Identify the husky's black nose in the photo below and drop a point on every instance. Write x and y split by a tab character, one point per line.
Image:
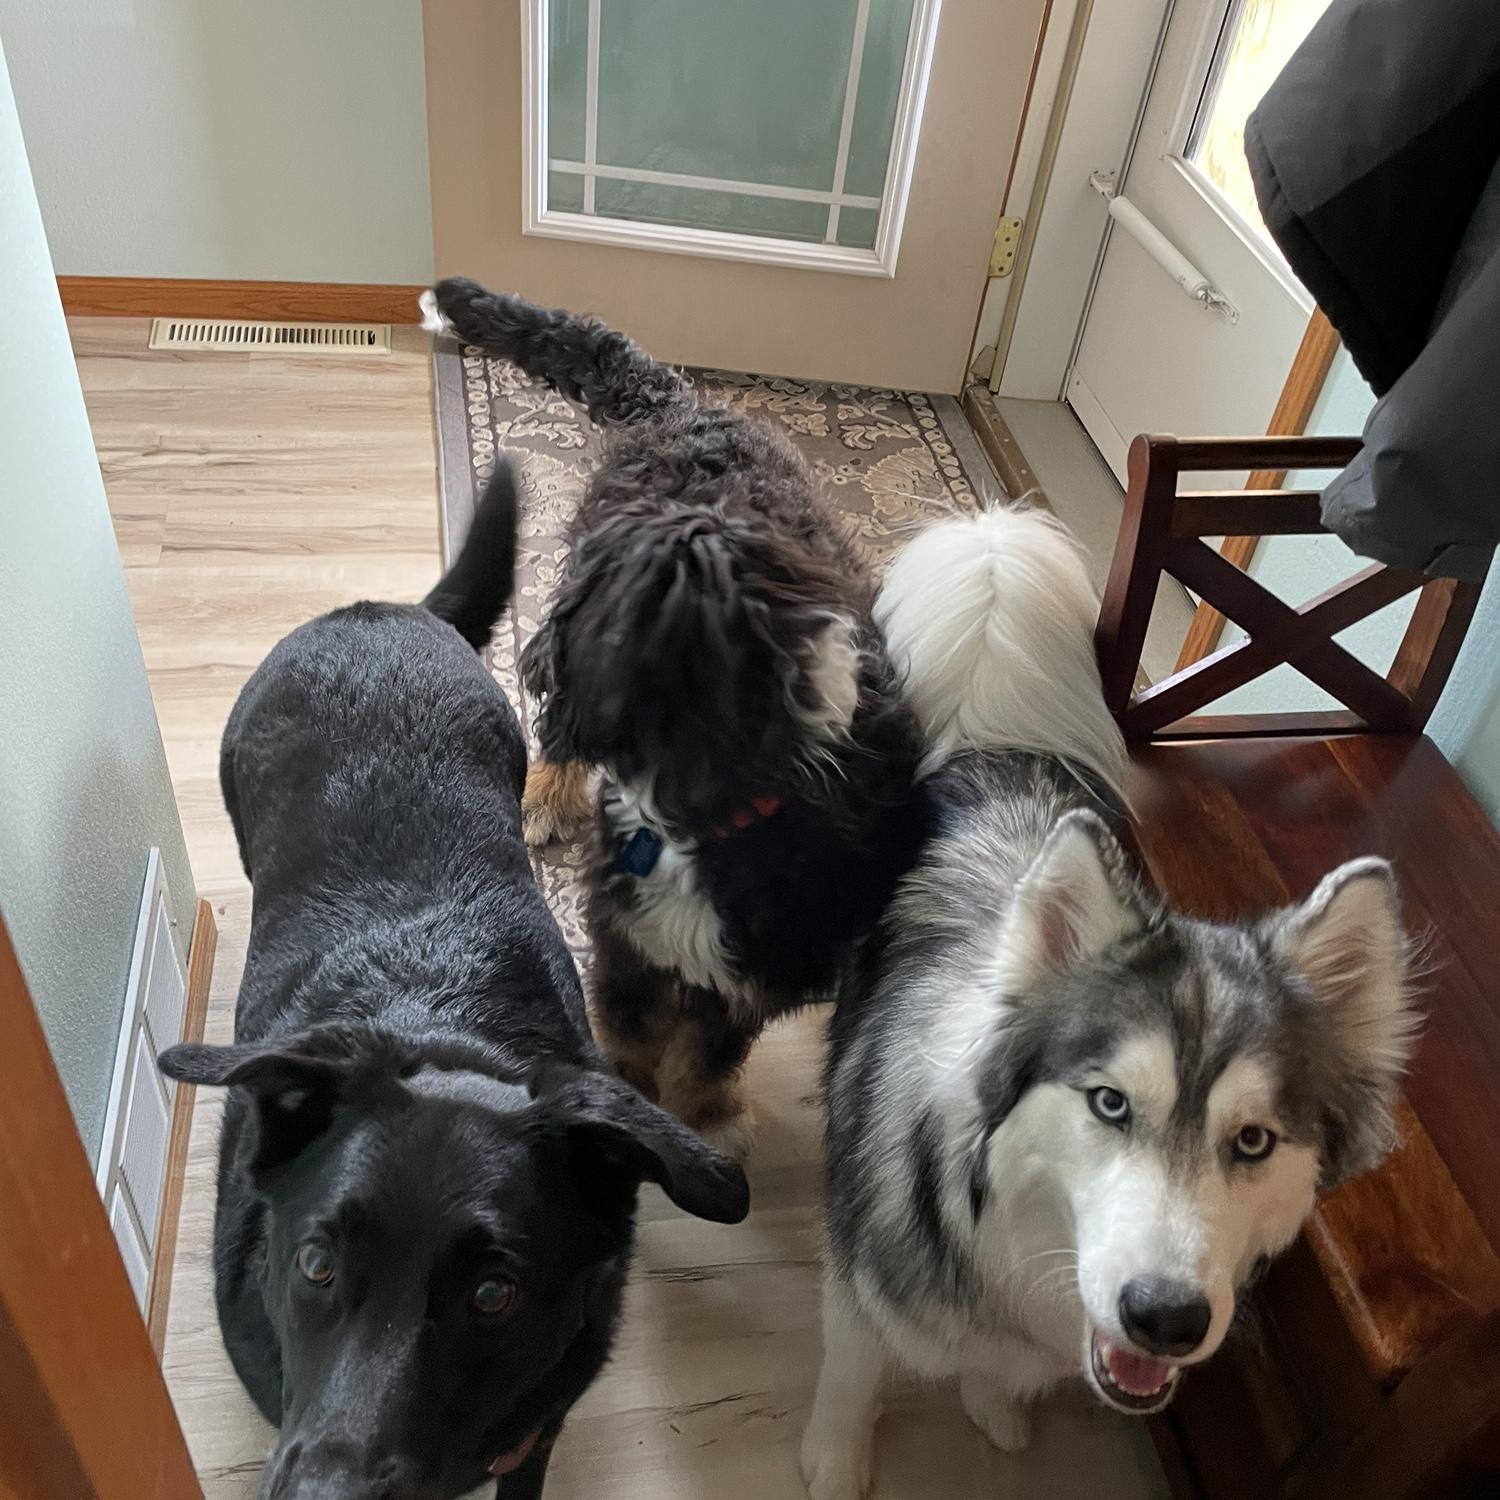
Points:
1164	1317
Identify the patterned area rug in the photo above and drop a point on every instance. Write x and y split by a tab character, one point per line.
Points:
891	461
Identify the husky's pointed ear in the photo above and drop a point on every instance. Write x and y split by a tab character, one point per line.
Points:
1076	900
1346	941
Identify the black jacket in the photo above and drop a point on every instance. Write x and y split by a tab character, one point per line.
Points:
1376	160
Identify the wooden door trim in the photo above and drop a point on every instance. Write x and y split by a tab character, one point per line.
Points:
84	1409
200	975
1294	408
309	301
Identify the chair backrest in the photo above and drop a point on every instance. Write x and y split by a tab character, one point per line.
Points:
1162	532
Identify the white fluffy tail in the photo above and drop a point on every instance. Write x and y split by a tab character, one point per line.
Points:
992	619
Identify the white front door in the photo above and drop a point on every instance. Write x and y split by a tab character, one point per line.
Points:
1153	357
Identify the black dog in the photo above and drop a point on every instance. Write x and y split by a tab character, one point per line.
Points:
427	1179
711	647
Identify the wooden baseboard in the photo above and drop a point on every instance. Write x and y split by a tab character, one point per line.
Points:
310	301
199	979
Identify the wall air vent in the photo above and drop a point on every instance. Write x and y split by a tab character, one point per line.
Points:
238	335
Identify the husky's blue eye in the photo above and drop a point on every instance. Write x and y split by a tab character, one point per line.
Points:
1110	1105
1254	1143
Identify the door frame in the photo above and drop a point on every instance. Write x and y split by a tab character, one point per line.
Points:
84	1408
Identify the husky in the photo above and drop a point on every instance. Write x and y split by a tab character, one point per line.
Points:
1067	1127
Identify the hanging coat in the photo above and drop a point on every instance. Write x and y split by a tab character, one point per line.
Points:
1376	161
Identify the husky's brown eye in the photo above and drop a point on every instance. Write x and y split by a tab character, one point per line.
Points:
492	1297
1110	1105
1254	1143
315	1262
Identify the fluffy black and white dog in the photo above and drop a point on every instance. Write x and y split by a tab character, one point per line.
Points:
1065	1125
427	1178
712	647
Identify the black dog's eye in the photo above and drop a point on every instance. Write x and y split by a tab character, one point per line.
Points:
1254	1143
492	1297
315	1262
1110	1105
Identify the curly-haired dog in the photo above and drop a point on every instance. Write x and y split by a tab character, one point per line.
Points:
712	648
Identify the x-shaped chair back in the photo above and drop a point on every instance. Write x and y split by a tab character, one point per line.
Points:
1162	532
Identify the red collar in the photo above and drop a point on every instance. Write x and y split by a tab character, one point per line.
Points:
742	818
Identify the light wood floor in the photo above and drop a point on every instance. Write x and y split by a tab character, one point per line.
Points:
251	492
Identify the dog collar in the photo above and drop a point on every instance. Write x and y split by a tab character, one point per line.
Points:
742	818
643	848
640	854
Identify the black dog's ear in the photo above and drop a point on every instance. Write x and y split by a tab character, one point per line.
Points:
297	1082
614	1126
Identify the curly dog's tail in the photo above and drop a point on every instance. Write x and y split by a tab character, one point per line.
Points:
603	370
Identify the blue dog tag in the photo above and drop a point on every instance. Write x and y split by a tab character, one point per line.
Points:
640	855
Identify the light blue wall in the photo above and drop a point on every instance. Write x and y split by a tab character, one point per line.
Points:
260	140
84	790
1466	725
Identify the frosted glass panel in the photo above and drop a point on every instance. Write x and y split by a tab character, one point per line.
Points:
721	88
567	78
879	90
565	191
857	227
660	203
757	119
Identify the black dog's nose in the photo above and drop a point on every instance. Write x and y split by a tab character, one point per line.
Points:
1164	1317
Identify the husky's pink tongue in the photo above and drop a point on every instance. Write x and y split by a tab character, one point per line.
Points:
513	1458
1135	1374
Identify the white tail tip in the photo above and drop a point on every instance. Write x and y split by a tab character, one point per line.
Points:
432	318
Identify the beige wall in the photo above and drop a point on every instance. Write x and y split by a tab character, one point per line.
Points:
912	330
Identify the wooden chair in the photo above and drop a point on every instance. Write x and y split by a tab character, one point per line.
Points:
1370	1368
1163	532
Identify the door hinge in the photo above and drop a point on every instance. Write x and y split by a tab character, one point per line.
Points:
1007	242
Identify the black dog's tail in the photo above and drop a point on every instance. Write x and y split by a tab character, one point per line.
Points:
473	593
603	370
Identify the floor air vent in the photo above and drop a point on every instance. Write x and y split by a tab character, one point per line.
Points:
240	334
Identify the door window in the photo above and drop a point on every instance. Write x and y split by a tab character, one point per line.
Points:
780	121
1256	42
